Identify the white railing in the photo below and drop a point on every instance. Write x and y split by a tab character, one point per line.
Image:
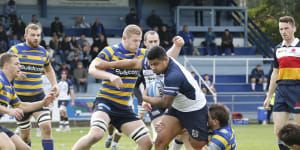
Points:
188	59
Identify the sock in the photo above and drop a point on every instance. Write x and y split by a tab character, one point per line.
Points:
47	144
66	122
253	86
153	132
109	137
29	144
264	86
176	145
61	122
114	143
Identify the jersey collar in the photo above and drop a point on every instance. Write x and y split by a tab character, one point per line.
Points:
294	43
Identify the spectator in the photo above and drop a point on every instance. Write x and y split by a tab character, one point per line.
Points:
94	51
289	134
3	40
86	58
80	23
19	28
64	68
154	20
74	62
14	41
54	44
132	18
81	41
64	47
73	43
188	41
57	27
80	77
165	37
227	42
55	64
97	29
101	42
196	77
257	76
209	42
209	84
34	20
50	51
11	11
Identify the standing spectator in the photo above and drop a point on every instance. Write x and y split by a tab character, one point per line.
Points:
165	37
19	28
258	76
188	41
227	42
97	29
101	42
57	27
80	77
3	40
34	20
132	18
209	84
209	42
154	20
14	41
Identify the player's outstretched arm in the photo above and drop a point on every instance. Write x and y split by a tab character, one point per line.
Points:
272	87
176	47
101	74
29	107
123	64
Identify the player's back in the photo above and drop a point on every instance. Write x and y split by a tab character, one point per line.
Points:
222	139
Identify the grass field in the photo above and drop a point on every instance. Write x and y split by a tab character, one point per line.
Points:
249	137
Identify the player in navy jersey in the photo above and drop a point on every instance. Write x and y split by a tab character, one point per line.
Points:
34	59
181	90
66	93
10	67
285	77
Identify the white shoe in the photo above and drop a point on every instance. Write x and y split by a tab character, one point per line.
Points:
67	130
114	147
59	130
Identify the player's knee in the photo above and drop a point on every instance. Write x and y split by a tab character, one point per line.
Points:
160	141
46	129
99	124
95	136
44	118
26	138
253	80
198	144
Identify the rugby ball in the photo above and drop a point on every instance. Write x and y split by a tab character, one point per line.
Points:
156	89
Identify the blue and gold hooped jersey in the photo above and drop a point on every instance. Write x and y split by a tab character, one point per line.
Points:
128	76
7	93
222	139
32	63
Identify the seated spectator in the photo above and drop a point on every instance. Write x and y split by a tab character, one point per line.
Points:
64	68
34	20
81	41
196	77
227	42
154	20
3	40
86	59
100	42
55	64
209	84
80	77
188	38
50	51
14	41
11	11
97	29
132	18
73	43
19	28
289	134
74	61
57	27
209	42
64	47
94	51
257	77
54	43
165	37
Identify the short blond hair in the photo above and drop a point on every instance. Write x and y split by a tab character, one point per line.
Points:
5	58
132	29
32	26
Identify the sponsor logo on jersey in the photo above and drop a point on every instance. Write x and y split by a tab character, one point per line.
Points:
126	72
31	68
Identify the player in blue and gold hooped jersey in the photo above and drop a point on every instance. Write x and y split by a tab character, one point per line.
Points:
10	67
34	59
111	104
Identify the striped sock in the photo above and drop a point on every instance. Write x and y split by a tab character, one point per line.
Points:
47	144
